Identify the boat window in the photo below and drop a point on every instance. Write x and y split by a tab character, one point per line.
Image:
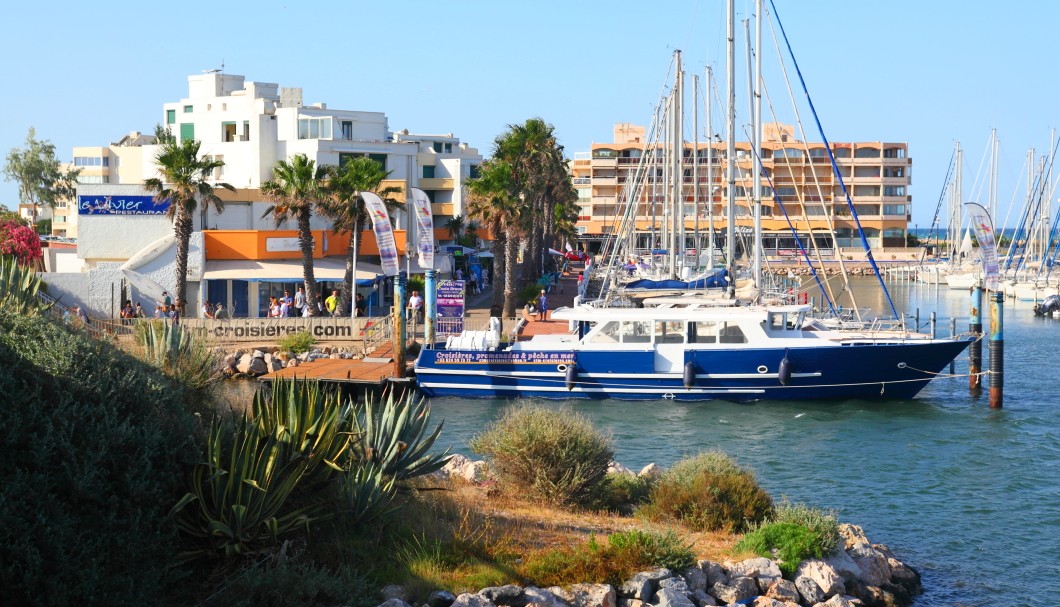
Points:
780	321
669	332
636	332
731	333
608	334
704	332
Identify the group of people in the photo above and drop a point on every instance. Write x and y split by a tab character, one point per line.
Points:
331	304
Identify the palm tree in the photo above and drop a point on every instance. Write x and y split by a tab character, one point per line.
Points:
455	225
490	202
346	208
185	182
297	187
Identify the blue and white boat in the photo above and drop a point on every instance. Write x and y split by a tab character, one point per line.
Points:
740	353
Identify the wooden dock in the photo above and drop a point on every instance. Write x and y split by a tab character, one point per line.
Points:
374	370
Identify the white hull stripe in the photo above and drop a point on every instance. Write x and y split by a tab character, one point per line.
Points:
642	376
613	390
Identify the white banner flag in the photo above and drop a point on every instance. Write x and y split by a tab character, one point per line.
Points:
384	232
979	218
424	228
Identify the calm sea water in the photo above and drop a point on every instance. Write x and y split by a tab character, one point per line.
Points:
968	495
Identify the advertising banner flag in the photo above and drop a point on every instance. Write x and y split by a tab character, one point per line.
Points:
384	232
979	218
424	228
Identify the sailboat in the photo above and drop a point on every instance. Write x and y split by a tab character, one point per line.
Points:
696	352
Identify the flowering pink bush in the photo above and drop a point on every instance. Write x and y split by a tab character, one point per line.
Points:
20	241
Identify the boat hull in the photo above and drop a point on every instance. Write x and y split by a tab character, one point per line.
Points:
867	370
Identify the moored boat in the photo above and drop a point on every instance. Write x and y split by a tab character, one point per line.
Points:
738	353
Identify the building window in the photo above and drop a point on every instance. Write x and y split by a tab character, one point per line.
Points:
437	147
894	171
347	130
314	128
473	171
894	209
428	172
894	153
246	130
187	131
228	131
379	158
867	153
894	190
93	179
171	116
867	190
91	161
448	148
188	109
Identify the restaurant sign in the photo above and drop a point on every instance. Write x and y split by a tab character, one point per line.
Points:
121	205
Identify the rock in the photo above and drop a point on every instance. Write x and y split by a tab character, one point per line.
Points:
714	572
294	362
675	583
273	363
827	579
783	590
258	354
509	594
703	599
765	601
695	578
472	600
541	598
586	595
651	472
836	601
617	468
852	534
628	602
906	577
844	566
873	564
394	603
736	590
440	598
672	597
394	591
762	570
810	591
643	584
462	467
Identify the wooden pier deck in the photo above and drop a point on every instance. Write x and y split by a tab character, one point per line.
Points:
374	370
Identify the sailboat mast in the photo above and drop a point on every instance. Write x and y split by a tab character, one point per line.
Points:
696	244
676	173
756	144
730	134
710	172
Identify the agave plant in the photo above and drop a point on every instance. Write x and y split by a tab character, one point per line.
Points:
20	288
170	347
368	494
309	422
393	435
238	505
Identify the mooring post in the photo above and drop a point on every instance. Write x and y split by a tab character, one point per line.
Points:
399	324
918	320
975	350
997	351
431	308
932	322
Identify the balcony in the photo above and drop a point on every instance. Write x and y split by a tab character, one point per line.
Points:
442	208
437	183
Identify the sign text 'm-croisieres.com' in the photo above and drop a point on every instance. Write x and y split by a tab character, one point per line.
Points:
121	205
271	329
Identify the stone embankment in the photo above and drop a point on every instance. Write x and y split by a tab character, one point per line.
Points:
259	361
861	574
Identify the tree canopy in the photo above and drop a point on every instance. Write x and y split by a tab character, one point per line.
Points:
40	176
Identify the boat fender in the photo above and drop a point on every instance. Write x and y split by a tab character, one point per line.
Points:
690	374
784	372
572	376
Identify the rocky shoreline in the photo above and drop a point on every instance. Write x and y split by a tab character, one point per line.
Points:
255	362
860	574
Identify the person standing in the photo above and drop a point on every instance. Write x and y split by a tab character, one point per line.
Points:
299	300
359	303
285	307
542	306
167	301
207	310
332	303
415	306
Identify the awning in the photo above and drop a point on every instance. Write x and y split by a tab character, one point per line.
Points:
287	270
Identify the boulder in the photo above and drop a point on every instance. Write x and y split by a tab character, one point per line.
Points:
695	578
701	598
643	584
540	597
617	468
765	601
509	594
440	598
628	602
293	362
394	603
714	572
809	590
836	601
586	595
651	472
471	600
827	579
258	354
844	566
672	597
873	564
462	467
736	590
394	591
783	590
762	570
852	534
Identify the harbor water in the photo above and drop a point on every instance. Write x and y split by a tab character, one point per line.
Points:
968	495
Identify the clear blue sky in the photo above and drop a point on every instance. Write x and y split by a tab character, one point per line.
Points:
929	73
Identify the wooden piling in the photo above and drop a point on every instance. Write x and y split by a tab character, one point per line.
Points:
997	351
975	350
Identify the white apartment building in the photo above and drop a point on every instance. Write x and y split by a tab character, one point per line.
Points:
250	126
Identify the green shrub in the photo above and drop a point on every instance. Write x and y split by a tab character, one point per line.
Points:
620	493
298	342
528	294
793	534
172	349
708	492
624	554
19	287
556	456
95	443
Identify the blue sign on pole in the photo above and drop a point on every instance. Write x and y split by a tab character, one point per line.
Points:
121	205
450	307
